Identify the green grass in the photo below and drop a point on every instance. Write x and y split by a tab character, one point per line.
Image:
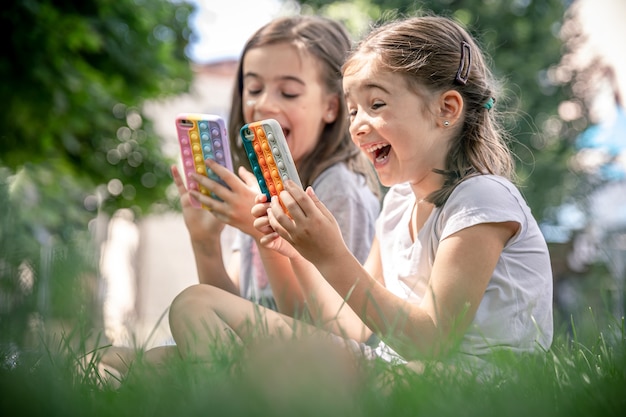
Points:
584	374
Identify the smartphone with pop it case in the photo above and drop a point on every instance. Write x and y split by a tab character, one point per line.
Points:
202	136
269	155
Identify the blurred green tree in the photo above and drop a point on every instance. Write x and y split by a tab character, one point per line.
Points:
73	137
522	38
75	77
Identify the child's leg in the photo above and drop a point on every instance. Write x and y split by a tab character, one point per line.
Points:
161	354
120	358
117	357
202	314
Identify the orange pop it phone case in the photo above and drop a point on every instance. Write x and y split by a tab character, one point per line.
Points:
269	155
202	136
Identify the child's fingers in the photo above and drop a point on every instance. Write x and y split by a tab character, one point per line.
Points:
311	193
205	200
178	180
248	178
295	200
232	180
268	239
213	186
219	170
260	198
259	210
262	224
298	201
279	220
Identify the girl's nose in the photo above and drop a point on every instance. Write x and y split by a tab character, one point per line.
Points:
264	106
359	125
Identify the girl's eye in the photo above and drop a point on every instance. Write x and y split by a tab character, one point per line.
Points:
289	95
352	113
254	91
377	105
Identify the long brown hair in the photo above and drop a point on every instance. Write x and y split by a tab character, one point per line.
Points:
437	54
329	43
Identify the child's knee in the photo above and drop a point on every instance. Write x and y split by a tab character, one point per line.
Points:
189	298
193	302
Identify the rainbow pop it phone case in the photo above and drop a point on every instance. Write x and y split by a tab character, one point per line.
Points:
269	155
202	136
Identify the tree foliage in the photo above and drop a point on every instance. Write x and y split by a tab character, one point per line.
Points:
73	137
75	76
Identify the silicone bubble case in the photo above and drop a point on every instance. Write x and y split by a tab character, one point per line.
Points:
202	136
269	155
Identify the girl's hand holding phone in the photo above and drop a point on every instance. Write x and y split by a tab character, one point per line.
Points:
269	238
234	196
201	223
309	227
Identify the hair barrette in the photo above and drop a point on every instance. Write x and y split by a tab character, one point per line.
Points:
464	69
490	103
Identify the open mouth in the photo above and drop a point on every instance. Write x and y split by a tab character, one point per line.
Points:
380	152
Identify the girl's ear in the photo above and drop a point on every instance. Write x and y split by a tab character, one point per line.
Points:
332	109
450	108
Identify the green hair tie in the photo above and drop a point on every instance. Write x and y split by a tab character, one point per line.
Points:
489	104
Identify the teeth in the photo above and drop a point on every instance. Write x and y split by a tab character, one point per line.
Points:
374	148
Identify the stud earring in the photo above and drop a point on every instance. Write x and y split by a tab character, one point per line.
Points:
446	123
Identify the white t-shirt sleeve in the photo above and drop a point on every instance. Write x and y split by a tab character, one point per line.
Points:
483	199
